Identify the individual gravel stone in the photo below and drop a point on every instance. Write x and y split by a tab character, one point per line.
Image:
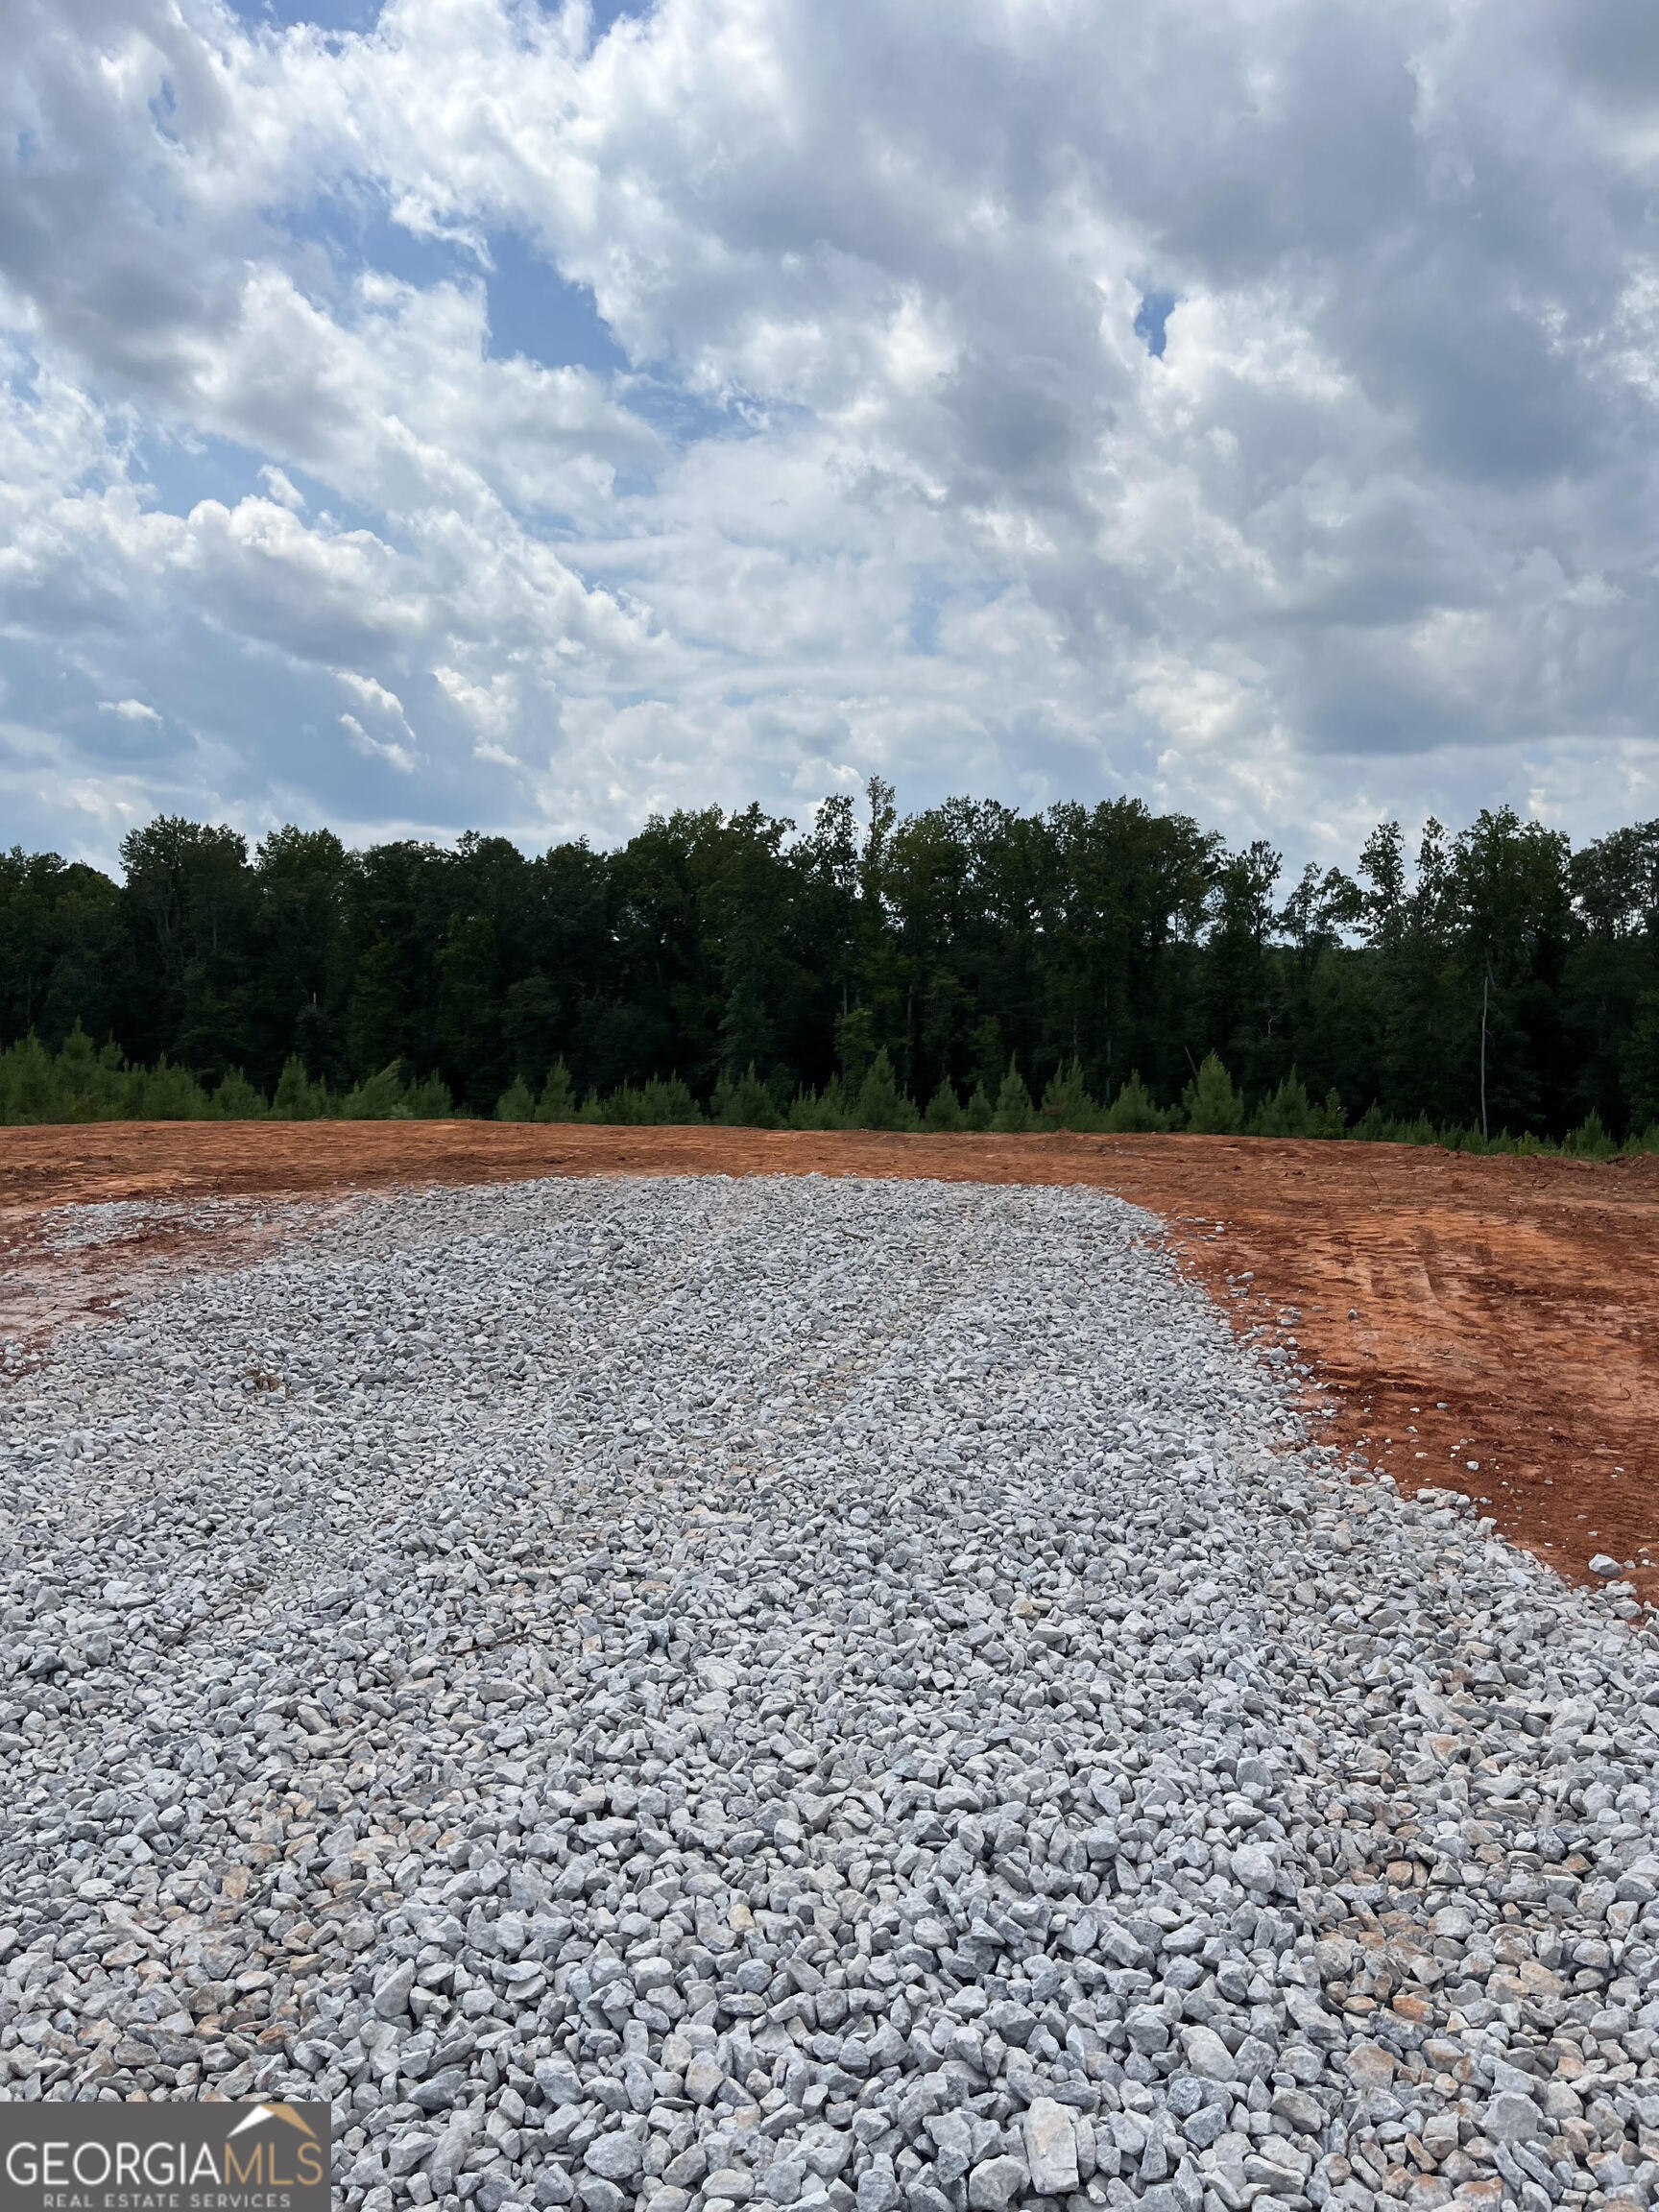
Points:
657	1695
1050	2148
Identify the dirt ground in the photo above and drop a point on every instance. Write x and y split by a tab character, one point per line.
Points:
1486	1324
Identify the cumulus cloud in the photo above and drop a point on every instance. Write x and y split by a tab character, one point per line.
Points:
1249	405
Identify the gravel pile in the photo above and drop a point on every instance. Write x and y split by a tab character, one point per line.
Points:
684	1694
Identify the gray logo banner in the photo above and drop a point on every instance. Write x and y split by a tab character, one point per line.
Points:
265	2157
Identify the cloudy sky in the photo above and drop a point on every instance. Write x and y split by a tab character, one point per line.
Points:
459	413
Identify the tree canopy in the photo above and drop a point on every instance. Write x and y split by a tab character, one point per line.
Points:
941	955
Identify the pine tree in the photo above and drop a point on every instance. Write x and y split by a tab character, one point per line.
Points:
1214	1107
558	1099
169	1094
1014	1114
835	1105
516	1103
428	1100
77	1078
945	1109
1132	1112
1329	1120
1067	1103
1590	1140
236	1099
378	1097
1288	1113
881	1104
978	1111
855	1044
747	1103
667	1103
825	1109
651	1105
29	1085
298	1099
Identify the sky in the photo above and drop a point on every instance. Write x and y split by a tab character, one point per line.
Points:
448	414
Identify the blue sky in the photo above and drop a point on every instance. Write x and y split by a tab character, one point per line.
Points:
467	413
362	16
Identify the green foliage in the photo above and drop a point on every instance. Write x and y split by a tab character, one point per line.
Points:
558	1099
1014	1113
1213	1105
1374	1127
379	1099
168	1093
945	1109
1067	1103
1132	1112
855	1046
827	1109
1454	1140
1288	1113
881	1104
429	1100
672	1103
625	1107
77	1084
1639	1062
746	1103
1329	1120
647	1105
1078	942
1590	1140
656	1105
236	1100
516	1103
297	1098
30	1087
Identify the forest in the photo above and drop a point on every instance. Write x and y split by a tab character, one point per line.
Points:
967	965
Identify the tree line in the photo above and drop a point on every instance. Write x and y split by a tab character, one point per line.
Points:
966	965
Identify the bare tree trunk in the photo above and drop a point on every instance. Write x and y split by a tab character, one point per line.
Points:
1485	990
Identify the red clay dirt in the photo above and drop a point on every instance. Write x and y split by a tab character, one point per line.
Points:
1489	1325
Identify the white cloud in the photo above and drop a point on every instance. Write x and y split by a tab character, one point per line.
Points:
394	754
282	489
890	480
373	694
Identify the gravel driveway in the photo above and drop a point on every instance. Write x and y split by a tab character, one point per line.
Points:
671	1694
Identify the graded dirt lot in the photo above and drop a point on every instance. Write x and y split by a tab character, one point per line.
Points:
1488	1324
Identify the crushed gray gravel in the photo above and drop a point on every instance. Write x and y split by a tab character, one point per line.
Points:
671	1695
